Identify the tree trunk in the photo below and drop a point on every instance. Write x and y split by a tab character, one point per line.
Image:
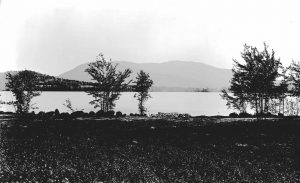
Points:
283	106
266	105
297	100
261	105
256	108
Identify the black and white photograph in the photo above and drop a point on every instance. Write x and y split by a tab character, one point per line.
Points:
152	91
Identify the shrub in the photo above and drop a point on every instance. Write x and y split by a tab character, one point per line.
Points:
64	115
265	115
8	112
77	114
184	116
27	116
41	114
100	113
268	114
49	115
233	115
109	113
280	115
56	112
92	113
245	115
119	114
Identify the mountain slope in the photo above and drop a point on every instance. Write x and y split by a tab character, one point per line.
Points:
172	74
51	83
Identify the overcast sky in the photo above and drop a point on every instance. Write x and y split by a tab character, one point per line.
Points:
55	36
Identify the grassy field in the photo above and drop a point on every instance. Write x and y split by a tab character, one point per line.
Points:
148	151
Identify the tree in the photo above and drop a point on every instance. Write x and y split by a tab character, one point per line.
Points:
109	83
24	86
253	82
142	85
294	78
294	74
235	102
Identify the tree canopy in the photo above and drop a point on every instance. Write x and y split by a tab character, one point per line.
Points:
254	81
142	85
23	86
109	82
294	69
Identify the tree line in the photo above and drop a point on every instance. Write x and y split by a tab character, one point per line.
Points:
106	88
261	82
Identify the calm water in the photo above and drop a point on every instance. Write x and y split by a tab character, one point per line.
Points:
194	103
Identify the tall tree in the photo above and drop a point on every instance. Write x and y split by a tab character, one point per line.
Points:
294	74
23	86
294	78
109	83
253	81
142	85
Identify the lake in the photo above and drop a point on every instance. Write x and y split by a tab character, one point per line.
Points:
194	103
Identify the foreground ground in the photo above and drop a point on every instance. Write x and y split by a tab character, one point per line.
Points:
152	150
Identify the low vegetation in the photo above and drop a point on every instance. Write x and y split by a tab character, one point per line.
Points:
148	151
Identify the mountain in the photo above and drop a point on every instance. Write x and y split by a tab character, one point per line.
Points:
169	76
51	83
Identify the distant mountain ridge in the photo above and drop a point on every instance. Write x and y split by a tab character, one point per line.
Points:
51	83
171	75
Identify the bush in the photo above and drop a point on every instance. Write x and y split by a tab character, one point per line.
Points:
135	114
244	115
49	115
109	113
100	113
78	114
268	114
184	116
56	112
265	115
119	114
233	115
41	114
92	113
27	116
64	115
280	115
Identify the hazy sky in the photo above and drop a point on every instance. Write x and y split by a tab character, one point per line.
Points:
55	36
